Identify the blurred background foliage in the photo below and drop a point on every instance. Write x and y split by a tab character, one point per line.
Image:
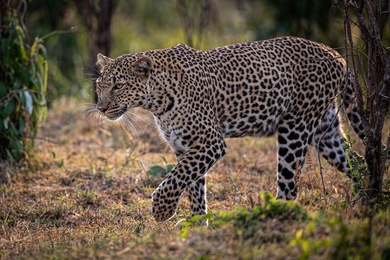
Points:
72	31
23	82
148	24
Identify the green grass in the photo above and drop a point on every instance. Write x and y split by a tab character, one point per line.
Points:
85	193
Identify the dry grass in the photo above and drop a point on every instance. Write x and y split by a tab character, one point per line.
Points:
85	193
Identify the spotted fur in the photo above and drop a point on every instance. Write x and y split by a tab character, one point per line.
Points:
198	98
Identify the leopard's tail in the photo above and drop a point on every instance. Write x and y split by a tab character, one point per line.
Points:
350	106
351	109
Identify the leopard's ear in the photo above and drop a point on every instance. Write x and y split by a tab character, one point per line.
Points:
142	67
102	61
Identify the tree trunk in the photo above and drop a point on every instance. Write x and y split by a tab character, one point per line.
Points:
373	62
97	17
4	5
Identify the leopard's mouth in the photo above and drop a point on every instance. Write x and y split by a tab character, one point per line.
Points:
118	115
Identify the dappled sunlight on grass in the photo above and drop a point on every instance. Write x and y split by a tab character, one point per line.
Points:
85	193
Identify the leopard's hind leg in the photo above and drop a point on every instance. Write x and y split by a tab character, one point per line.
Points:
329	142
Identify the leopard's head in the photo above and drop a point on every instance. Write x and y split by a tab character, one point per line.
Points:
122	84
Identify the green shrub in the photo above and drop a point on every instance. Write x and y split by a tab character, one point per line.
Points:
244	218
157	170
23	77
269	208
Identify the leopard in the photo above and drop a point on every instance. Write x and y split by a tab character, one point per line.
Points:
287	86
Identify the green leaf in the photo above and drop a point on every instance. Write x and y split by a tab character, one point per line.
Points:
184	232
5	48
169	167
5	122
20	53
9	108
22	125
29	101
17	84
156	171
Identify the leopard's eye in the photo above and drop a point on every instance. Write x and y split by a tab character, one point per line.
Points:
118	86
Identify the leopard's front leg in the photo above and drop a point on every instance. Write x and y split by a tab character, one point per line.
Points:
197	197
187	173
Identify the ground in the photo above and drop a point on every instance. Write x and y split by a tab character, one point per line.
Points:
86	193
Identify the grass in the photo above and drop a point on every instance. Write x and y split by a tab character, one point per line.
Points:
85	193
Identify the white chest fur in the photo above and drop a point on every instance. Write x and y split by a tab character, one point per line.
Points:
173	136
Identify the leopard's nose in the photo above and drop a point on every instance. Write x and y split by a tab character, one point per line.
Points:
102	109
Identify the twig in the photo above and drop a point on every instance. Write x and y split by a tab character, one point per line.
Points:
233	184
10	95
41	138
322	179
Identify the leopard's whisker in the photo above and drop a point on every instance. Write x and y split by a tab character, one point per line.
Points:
142	119
127	122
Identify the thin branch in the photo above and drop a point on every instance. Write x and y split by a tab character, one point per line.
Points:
362	68
362	22
10	95
374	26
384	96
349	42
41	138
22	9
